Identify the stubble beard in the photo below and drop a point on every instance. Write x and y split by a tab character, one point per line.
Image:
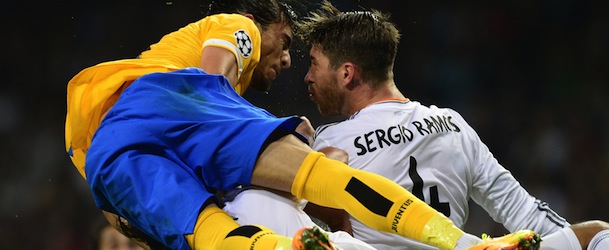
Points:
331	103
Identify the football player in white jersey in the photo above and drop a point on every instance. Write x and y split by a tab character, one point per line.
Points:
431	151
282	215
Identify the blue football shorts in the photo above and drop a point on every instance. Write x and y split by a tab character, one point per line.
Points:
169	143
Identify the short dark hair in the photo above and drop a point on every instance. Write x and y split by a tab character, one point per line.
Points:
366	38
265	11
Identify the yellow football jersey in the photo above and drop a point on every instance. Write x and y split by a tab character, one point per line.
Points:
93	91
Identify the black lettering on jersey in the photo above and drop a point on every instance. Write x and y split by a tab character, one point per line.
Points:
369	141
455	128
420	128
417	181
417	189
434	199
357	144
380	137
407	133
394	137
431	126
440	123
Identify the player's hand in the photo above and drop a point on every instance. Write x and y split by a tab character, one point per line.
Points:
306	129
336	154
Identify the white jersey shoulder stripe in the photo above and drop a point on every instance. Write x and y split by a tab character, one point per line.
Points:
229	46
550	214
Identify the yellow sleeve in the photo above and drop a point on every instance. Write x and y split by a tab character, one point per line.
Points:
233	32
92	92
239	35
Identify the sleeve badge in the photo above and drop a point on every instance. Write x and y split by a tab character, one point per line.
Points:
244	43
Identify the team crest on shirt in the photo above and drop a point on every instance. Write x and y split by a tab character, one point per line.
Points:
244	43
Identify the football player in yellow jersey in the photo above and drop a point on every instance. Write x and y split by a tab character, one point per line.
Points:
156	137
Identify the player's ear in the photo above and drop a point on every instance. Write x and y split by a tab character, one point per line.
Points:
349	74
250	16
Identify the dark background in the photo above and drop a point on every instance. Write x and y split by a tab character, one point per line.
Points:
530	76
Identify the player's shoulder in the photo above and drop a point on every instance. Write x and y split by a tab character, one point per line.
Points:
435	109
325	127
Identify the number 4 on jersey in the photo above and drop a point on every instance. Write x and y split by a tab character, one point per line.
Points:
417	190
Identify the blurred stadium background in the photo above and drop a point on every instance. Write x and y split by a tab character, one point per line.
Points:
532	77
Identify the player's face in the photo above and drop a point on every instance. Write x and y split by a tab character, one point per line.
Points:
274	55
323	84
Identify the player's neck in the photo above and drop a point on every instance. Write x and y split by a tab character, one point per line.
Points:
365	96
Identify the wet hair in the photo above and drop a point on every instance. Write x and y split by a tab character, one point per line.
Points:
134	233
366	38
264	11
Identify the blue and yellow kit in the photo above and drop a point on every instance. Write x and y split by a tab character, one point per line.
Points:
93	91
156	137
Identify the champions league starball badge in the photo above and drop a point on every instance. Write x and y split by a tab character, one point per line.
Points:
244	43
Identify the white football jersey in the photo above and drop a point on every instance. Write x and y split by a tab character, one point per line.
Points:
436	155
